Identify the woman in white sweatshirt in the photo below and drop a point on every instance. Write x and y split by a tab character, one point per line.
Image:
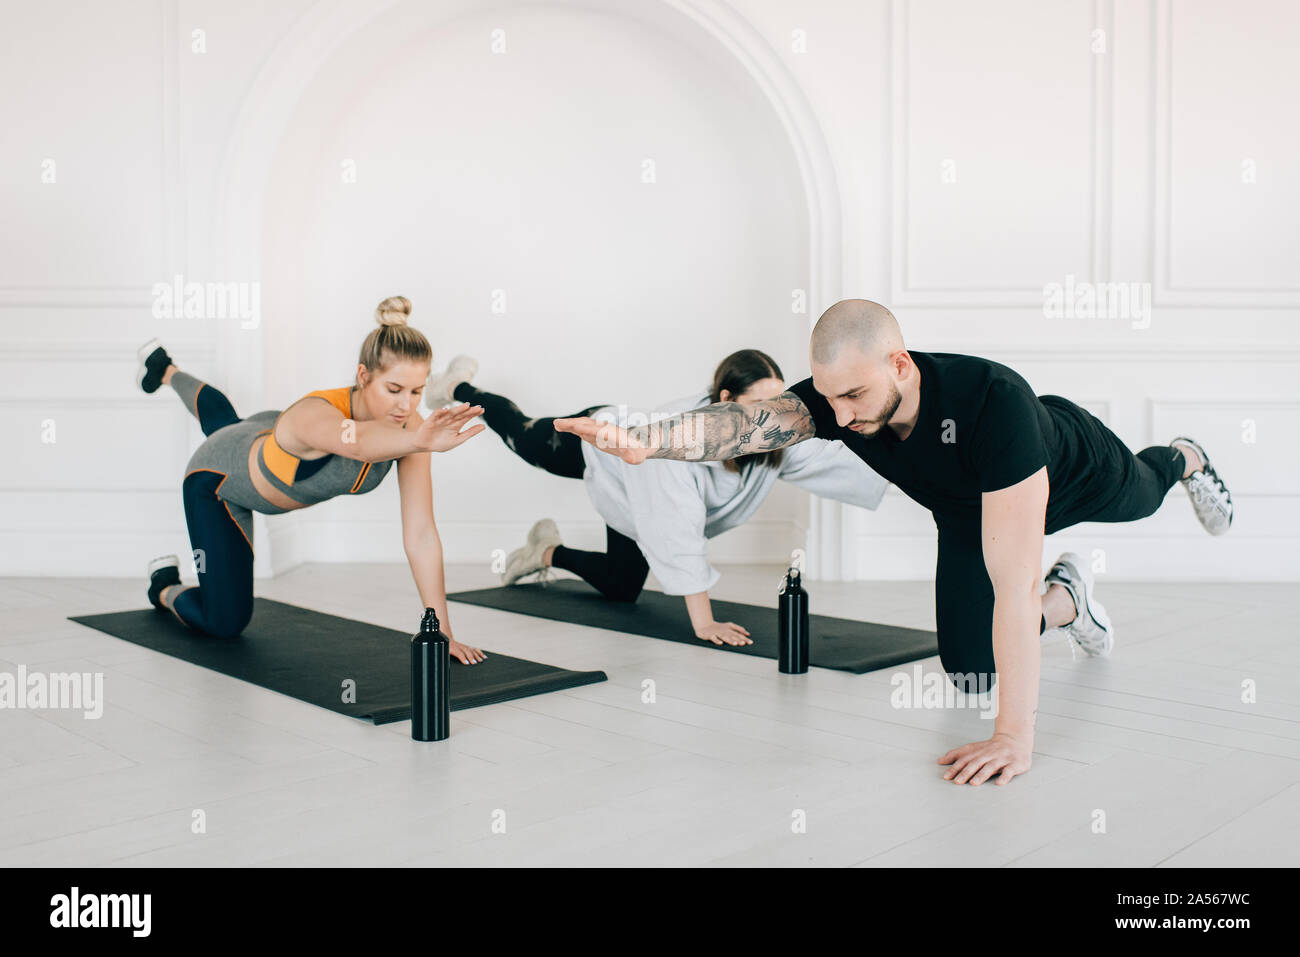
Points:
659	515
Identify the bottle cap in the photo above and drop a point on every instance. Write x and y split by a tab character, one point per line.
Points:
429	623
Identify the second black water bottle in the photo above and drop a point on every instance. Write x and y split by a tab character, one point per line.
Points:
430	681
792	629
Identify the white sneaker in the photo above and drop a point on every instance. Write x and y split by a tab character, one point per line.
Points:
527	559
1091	629
438	390
1211	499
544	530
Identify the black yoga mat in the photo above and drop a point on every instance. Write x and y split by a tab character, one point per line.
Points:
839	643
308	655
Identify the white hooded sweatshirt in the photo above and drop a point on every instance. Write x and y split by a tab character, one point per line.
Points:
670	508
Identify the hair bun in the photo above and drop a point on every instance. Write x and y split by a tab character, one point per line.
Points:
393	311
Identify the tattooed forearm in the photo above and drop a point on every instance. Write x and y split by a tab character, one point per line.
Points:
727	430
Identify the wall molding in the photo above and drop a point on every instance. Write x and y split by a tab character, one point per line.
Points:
98	351
1247	408
1164	293
298	541
173	199
75	297
902	292
1092	352
47	408
1151	558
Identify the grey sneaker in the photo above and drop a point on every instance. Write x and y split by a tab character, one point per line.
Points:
546	531
438	390
1091	629
527	559
1211	499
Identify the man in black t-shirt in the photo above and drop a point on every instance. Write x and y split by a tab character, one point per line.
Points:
997	466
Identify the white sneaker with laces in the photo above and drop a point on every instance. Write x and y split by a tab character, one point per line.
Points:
1091	630
1211	499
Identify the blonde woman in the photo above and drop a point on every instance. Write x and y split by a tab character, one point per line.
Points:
328	443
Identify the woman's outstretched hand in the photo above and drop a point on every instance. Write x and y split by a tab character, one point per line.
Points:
441	431
606	436
724	633
464	653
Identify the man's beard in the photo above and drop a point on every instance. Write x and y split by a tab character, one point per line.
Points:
887	413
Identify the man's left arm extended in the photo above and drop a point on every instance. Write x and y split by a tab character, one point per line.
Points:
1012	531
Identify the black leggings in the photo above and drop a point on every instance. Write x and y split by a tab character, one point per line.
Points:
222	604
619	572
963	592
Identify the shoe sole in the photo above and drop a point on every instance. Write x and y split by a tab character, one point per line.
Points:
143	353
507	580
146	350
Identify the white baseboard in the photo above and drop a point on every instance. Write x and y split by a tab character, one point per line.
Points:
1126	559
296	540
896	554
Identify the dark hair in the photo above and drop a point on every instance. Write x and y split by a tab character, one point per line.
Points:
736	374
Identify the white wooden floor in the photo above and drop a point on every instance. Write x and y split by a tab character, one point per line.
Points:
1156	737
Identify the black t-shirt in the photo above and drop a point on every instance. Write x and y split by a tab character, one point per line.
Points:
981	428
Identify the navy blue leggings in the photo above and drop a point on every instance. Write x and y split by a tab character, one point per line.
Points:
222	604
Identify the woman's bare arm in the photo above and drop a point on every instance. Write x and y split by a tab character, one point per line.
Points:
308	427
423	545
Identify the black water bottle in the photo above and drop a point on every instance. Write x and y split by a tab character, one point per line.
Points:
792	635
430	681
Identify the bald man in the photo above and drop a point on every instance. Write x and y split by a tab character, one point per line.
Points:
997	466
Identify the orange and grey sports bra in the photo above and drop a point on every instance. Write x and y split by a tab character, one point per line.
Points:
315	480
304	481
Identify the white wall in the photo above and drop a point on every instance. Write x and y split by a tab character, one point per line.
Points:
521	175
974	154
1124	165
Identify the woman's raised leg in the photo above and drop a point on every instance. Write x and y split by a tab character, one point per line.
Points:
205	403
533	440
